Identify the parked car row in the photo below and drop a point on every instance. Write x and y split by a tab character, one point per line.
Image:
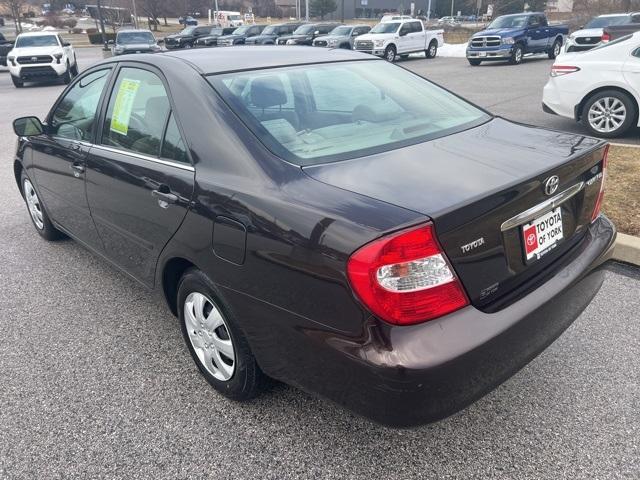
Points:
593	34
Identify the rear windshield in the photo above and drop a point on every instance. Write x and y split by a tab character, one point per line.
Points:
335	111
37	41
601	22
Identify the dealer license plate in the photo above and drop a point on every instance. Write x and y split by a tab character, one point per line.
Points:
482	54
542	234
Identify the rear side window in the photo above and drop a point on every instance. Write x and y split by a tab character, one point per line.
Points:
173	147
417	26
137	113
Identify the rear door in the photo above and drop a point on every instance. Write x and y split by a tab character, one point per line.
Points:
631	70
139	177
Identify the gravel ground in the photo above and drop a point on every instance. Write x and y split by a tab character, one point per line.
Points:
95	382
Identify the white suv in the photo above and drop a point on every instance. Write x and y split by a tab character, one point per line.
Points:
400	37
38	56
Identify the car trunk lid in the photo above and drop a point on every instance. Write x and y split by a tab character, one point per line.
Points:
472	184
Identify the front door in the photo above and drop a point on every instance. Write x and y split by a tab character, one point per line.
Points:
139	177
59	156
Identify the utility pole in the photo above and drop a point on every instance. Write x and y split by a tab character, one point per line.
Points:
135	13
342	14
101	20
306	10
452	2
429	11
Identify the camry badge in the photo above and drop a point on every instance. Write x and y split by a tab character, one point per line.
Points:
551	185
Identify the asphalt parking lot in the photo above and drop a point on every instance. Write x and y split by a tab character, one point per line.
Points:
95	380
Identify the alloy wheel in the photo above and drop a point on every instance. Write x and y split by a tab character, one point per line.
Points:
209	336
432	51
391	55
607	115
518	56
33	203
556	49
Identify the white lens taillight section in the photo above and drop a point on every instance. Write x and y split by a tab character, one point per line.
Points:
405	278
416	275
559	70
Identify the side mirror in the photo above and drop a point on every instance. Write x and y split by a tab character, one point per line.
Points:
111	42
66	44
403	32
28	126
161	41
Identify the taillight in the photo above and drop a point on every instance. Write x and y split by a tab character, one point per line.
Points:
598	207
558	70
606	37
405	278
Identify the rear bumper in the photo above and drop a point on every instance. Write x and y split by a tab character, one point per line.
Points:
406	376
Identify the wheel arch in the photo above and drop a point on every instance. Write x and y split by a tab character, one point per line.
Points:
172	271
560	38
595	91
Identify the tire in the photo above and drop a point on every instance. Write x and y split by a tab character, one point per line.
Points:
188	45
74	68
473	62
556	49
390	54
609	113
37	212
17	82
432	51
239	378
66	77
516	55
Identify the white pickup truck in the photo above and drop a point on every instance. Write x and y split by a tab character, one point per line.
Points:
400	37
38	56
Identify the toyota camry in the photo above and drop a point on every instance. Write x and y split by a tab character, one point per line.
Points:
326	219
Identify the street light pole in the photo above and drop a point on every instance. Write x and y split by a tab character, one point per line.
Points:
306	10
135	14
452	1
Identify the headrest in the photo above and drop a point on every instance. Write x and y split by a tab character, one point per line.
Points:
268	91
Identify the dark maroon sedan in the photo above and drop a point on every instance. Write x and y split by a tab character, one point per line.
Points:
325	218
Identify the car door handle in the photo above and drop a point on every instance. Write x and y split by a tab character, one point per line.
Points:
75	146
164	196
77	169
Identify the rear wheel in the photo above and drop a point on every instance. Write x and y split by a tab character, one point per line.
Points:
17	82
516	55
555	49
215	341
432	51
473	62
390	53
609	113
38	214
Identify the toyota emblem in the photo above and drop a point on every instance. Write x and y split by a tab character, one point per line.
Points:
551	185
531	239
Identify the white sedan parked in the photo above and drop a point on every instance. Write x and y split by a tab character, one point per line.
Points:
600	87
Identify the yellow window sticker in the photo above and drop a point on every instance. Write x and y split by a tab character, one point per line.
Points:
123	105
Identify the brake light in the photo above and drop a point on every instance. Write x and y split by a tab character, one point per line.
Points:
405	278
606	37
558	70
605	163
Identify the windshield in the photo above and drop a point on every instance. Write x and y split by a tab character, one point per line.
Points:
601	22
39	41
304	29
318	113
389	27
234	17
135	37
510	21
342	31
270	30
241	30
188	31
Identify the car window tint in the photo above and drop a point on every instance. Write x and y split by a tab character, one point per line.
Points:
173	147
137	112
417	27
74	117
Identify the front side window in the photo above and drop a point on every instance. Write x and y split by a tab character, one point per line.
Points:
137	112
330	112
74	117
37	41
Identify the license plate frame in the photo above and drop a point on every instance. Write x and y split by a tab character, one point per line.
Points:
542	234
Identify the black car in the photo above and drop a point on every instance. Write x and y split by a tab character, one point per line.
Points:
212	39
5	47
240	35
271	33
304	34
187	38
377	242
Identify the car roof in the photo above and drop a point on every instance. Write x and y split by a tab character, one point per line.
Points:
229	59
134	30
618	14
37	34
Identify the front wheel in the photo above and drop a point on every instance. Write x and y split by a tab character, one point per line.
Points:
473	62
215	341
74	68
38	214
516	55
432	51
390	54
188	45
609	113
555	50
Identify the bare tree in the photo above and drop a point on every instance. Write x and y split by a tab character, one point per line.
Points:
15	9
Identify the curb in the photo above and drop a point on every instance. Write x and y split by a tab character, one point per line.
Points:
627	249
